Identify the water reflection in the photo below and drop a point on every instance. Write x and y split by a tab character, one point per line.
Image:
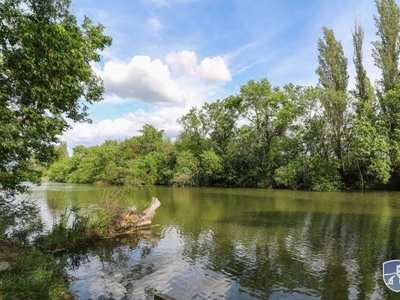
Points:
249	244
110	269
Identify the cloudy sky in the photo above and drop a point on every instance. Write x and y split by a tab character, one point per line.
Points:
170	55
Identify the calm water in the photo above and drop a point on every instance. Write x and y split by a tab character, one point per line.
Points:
239	244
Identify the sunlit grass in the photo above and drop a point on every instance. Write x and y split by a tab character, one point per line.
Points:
35	276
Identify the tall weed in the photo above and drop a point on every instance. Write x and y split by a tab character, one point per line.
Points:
110	207
67	232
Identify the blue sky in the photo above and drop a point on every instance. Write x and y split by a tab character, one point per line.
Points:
170	55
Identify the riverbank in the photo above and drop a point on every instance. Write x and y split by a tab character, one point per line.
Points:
32	274
30	270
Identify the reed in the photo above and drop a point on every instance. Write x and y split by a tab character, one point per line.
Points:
66	233
110	207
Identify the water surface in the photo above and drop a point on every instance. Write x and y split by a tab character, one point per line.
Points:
239	244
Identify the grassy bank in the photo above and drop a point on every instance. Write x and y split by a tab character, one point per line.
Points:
35	273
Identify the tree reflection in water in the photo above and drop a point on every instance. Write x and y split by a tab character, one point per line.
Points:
249	244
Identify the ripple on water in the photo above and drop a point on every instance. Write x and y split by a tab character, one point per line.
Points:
130	273
168	266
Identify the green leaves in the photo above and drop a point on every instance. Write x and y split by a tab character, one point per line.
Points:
386	51
332	69
141	160
186	170
45	70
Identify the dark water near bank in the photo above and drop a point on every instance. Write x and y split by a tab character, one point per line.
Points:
239	244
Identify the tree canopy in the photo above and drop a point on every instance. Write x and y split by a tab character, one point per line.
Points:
45	80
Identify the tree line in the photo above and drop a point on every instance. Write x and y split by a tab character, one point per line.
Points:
323	137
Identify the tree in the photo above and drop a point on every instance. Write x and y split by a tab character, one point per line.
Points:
364	92
386	51
142	171
333	78
194	137
151	139
186	169
332	69
368	145
45	59
221	119
210	166
369	154
269	112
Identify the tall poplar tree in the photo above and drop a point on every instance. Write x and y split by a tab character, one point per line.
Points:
368	146
386	53
333	79
364	91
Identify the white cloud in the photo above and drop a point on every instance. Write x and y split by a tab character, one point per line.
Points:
163	119
129	124
213	70
112	99
184	61
154	25
124	127
151	82
143	79
96	133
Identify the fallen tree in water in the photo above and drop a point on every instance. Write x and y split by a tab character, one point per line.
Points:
130	218
107	222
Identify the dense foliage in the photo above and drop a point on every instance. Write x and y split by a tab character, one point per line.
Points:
45	80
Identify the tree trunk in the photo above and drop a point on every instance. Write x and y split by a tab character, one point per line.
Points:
130	218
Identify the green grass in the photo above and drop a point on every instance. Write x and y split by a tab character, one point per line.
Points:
35	276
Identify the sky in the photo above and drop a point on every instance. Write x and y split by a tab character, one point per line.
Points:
168	56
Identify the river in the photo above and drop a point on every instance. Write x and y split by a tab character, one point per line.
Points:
213	243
